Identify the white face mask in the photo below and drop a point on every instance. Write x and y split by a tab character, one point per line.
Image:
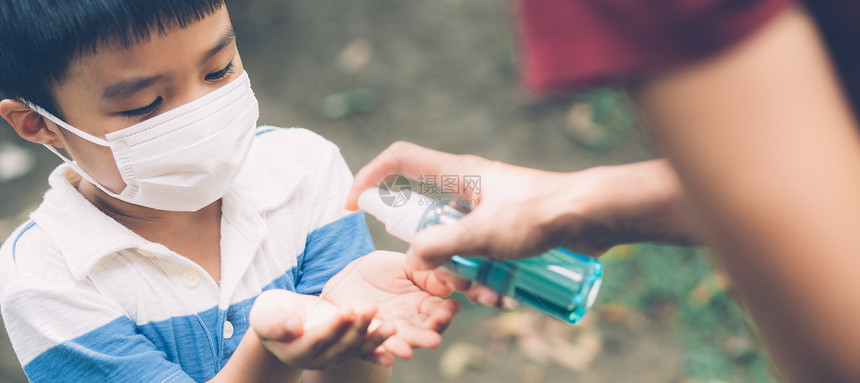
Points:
185	158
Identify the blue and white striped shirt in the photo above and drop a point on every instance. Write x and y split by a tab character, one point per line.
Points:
87	300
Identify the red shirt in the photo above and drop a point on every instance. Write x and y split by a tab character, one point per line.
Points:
566	44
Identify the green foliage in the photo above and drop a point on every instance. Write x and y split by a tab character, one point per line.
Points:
679	285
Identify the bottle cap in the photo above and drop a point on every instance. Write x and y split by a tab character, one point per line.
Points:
401	212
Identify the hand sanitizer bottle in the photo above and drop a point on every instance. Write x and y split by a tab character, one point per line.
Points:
559	283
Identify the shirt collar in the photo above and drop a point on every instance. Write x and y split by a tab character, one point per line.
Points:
269	177
85	235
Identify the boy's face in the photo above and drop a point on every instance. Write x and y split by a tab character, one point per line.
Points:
117	87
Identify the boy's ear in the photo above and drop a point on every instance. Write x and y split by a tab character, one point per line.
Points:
28	124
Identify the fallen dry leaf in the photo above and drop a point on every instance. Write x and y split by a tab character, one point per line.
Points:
616	313
705	290
552	328
738	347
355	56
516	323
577	356
534	348
459	357
620	251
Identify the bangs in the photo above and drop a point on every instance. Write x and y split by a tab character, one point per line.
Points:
41	37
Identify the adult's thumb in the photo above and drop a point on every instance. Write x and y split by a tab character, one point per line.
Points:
435	245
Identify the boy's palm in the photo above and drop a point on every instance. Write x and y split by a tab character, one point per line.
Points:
408	299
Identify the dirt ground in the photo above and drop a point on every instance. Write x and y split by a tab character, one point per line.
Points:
443	74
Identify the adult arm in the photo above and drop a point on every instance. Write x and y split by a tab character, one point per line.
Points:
519	212
767	148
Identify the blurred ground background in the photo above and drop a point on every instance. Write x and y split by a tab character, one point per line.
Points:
443	74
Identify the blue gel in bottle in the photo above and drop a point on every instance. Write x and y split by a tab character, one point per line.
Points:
559	283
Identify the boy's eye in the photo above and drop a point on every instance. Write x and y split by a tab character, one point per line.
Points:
220	74
146	110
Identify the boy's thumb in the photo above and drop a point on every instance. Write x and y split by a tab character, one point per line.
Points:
277	315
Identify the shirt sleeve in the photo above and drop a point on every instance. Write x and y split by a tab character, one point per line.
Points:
67	334
336	236
566	44
329	249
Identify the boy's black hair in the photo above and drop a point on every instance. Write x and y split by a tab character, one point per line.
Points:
39	38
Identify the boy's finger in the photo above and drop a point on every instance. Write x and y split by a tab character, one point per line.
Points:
448	278
351	340
436	313
277	315
437	282
442	315
380	357
280	329
320	337
398	347
375	338
416	336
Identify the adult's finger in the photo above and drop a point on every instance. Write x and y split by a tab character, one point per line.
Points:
483	295
409	160
435	245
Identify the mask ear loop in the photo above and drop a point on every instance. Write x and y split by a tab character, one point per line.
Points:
89	137
64	125
74	165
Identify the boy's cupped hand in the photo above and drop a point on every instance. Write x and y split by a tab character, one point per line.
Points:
407	298
305	332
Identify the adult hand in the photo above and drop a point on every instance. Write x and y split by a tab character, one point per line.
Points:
304	332
408	299
520	212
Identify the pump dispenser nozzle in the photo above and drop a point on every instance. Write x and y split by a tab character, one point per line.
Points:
401	212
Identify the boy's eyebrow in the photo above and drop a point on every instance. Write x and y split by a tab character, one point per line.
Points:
228	38
127	87
124	88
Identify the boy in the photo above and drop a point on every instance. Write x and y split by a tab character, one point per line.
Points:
154	243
